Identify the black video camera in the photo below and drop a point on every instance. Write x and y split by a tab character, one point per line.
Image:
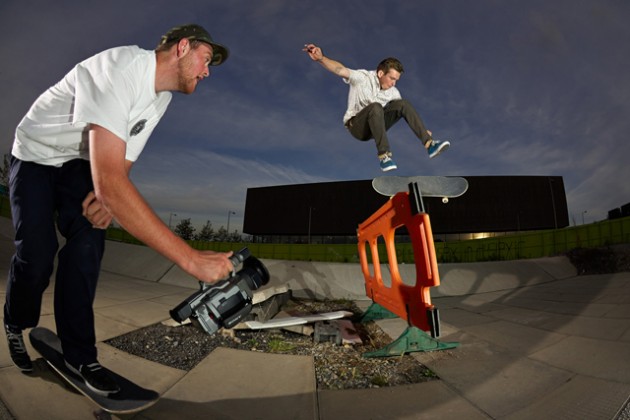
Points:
225	303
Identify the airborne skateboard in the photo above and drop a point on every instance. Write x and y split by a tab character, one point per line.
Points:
129	399
430	186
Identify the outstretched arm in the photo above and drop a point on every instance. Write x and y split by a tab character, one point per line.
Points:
332	66
117	197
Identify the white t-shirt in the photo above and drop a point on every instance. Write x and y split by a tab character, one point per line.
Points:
114	89
364	90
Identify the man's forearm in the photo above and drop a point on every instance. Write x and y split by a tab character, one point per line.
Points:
119	196
133	213
333	66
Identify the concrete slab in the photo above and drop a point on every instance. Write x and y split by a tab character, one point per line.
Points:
557	267
491	377
519	339
107	328
429	400
237	384
177	277
596	358
543	336
528	317
148	374
476	278
120	288
41	395
583	326
580	398
478	304
463	318
134	261
137	314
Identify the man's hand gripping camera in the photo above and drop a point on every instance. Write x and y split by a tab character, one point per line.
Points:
225	303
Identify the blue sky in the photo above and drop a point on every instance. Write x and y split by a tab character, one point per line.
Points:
518	87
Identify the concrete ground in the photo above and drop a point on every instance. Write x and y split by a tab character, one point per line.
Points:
536	341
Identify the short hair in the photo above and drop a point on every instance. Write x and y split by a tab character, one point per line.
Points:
390	63
167	46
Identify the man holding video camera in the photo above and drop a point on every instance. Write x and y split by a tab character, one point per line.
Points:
70	165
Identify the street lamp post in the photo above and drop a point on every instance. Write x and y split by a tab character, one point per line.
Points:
553	204
170	218
310	213
583	213
228	223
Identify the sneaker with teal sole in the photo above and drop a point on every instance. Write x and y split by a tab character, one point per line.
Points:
437	147
387	164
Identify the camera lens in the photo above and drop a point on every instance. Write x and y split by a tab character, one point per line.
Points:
255	273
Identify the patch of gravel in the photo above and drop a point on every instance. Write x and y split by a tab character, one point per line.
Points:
336	366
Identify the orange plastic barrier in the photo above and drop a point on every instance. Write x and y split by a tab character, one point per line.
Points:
410	302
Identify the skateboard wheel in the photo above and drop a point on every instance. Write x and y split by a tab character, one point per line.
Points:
444	200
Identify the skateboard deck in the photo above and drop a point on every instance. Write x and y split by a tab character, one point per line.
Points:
129	399
430	186
295	320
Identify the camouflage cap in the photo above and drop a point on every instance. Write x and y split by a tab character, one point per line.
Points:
196	33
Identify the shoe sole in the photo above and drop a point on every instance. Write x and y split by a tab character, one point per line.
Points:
440	149
390	168
100	392
24	369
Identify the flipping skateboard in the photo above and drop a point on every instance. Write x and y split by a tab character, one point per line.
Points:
129	399
430	186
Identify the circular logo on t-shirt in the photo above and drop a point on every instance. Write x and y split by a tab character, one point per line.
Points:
137	127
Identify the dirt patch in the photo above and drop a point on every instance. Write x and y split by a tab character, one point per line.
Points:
336	366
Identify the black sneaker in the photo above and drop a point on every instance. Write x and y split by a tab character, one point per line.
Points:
18	350
96	378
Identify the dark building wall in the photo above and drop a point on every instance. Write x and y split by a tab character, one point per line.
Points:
502	203
333	208
491	204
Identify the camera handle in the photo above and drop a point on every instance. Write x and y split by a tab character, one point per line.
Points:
234	319
236	259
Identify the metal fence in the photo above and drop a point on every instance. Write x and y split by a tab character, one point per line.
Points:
509	247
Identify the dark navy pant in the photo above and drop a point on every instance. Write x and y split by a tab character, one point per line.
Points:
42	196
373	121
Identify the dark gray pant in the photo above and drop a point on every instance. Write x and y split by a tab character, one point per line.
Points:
41	195
373	121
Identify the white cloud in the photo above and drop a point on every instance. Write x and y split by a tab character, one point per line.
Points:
528	88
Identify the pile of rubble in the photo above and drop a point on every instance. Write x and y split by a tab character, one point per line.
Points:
329	331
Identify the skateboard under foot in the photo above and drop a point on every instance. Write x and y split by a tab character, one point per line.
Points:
131	397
